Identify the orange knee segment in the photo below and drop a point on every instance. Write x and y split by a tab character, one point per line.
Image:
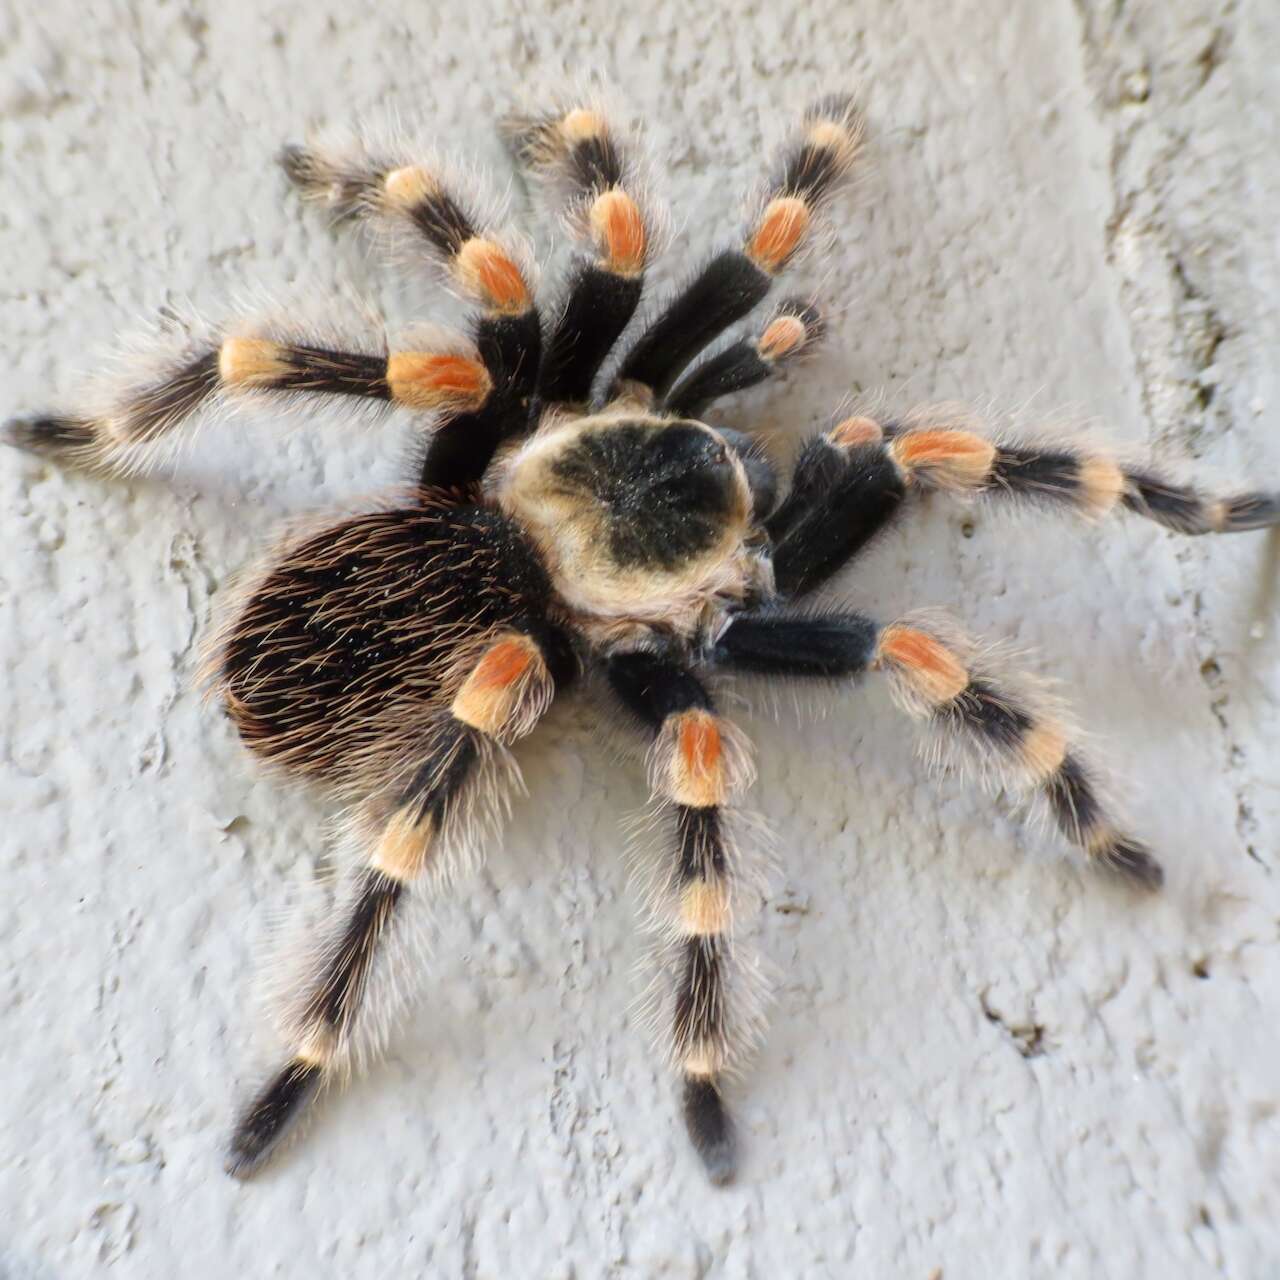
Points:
779	233
618	227
944	458
854	433
697	774
487	271
424	380
506	691
699	760
782	337
927	669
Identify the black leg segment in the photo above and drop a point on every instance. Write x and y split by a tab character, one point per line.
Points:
728	287
841	500
779	643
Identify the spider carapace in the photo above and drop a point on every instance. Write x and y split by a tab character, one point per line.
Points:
570	510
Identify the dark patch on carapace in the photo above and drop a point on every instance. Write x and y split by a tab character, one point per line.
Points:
666	490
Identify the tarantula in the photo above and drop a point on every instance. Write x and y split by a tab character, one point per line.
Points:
564	519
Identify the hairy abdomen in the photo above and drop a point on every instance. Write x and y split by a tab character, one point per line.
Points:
346	643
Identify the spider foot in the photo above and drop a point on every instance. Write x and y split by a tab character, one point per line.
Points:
1131	861
46	435
710	1130
267	1120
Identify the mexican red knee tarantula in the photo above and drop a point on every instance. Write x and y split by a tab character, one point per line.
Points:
561	519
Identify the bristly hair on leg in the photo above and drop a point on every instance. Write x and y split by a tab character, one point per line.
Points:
742	1000
993	458
339	1012
813	163
308	939
278	355
587	168
576	151
736	839
156	377
420	207
1011	731
702	874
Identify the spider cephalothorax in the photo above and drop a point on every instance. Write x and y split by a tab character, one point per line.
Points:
639	516
560	519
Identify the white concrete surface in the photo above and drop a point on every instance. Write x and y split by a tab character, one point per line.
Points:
982	1064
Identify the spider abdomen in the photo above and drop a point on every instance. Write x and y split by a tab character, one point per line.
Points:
348	640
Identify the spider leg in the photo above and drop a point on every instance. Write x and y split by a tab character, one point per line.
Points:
790	332
933	452
426	211
489	385
593	179
851	482
247	359
812	166
411	836
970	705
698	761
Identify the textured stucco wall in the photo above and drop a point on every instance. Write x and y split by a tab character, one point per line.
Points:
981	1063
